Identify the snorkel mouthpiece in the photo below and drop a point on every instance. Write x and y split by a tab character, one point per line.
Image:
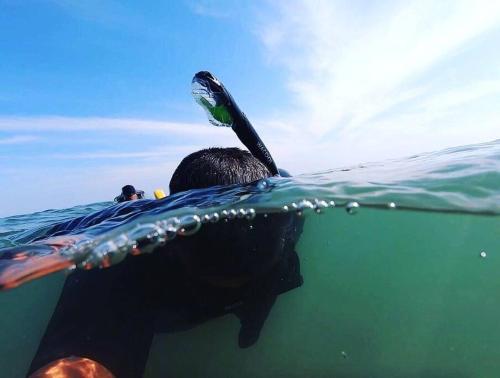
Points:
222	110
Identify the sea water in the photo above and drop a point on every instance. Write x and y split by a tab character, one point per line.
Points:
400	262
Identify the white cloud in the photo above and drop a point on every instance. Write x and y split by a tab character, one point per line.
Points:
448	100
129	125
19	139
65	179
365	75
155	153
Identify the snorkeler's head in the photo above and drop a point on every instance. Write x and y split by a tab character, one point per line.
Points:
217	166
238	249
129	193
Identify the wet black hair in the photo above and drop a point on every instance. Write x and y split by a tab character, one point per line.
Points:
217	166
128	191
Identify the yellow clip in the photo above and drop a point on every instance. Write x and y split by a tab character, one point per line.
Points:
159	194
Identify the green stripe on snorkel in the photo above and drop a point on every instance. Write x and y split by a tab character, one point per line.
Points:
219	113
222	110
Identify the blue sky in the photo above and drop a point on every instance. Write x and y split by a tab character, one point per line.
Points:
96	94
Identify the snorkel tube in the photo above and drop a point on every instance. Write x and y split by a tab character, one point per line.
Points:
222	110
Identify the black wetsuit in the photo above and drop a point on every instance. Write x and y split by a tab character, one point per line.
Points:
111	315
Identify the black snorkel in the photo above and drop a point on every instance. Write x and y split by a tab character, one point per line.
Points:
222	110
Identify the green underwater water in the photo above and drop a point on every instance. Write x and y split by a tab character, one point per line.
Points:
25	313
385	294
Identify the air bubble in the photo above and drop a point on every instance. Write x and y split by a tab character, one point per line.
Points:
170	226
122	245
322	204
224	213
241	213
148	237
205	218
319	205
110	254
263	185
391	205
352	207
305	204
285	208
79	250
170	232
122	242
483	254
99	256
189	225
331	203
214	218
250	214
232	214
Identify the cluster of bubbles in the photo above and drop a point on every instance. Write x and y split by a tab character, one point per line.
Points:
146	237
